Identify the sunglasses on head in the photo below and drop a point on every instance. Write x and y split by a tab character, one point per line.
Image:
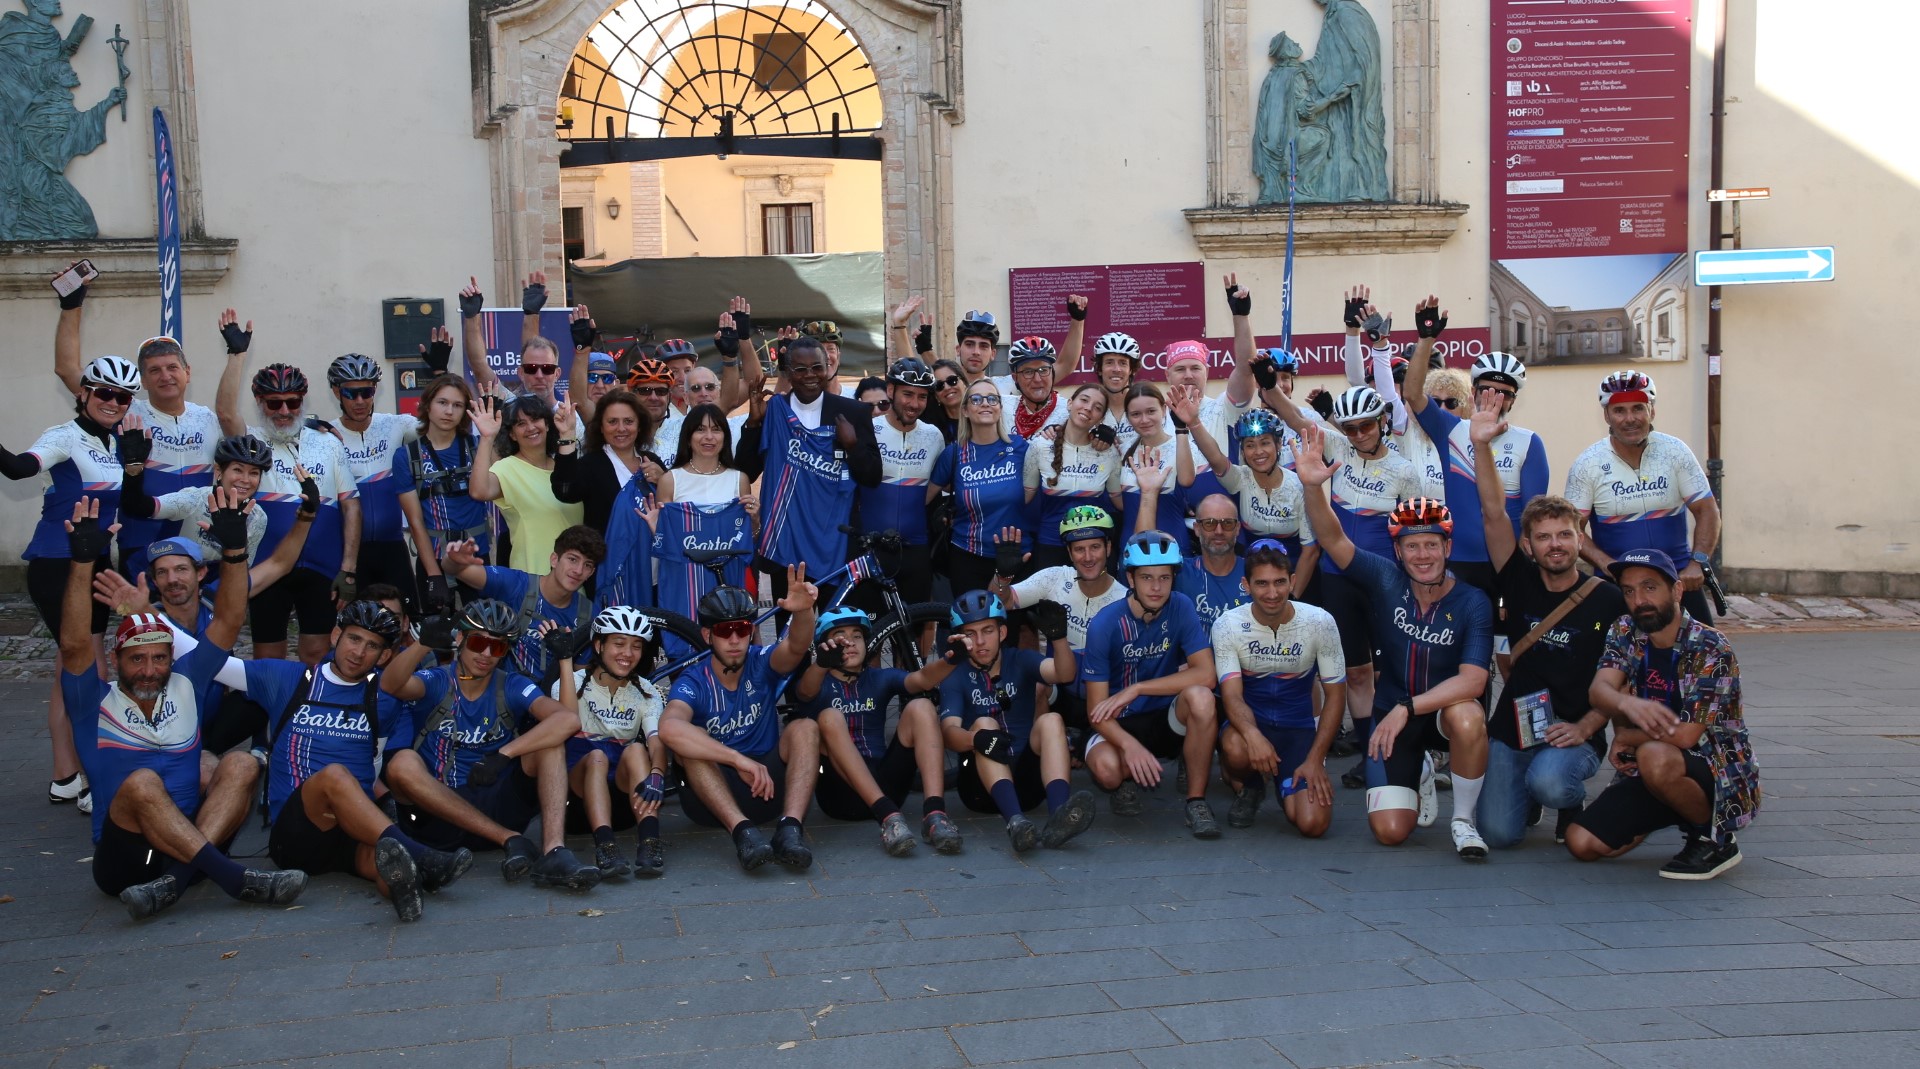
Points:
732	629
282	404
1267	543
978	317
539	369
487	645
358	393
111	396
602	378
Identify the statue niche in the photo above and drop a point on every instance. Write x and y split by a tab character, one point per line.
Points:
1328	111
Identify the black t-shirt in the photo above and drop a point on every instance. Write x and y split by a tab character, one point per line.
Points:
1563	661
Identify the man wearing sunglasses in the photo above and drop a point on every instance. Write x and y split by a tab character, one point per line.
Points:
182	433
376	453
325	576
539	358
485	751
743	767
1216	579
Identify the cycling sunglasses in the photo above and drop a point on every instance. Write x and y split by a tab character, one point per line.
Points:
653	391
282	404
731	629
602	378
985	318
950	382
486	645
1267	543
109	395
539	369
358	393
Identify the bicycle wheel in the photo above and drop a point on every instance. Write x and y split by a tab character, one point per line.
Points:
676	637
896	643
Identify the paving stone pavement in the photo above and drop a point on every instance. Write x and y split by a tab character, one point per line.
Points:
1137	946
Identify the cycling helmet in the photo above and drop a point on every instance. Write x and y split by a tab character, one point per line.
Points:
115	371
1085	521
370	616
243	449
674	349
489	615
1148	548
724	603
977	324
1420	515
141	629
822	330
1500	367
1357	403
975	606
910	371
352	368
650	371
623	620
1282	360
1258	423
1626	387
1029	349
845	616
279	378
1116	342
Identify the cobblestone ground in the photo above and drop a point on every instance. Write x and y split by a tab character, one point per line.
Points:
1136	946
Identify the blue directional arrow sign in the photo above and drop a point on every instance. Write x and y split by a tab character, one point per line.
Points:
1742	267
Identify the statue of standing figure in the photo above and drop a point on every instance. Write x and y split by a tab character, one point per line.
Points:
1329	108
41	131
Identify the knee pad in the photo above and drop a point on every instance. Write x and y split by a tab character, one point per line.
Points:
1381	799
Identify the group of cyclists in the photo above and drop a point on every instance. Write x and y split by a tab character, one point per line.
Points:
524	611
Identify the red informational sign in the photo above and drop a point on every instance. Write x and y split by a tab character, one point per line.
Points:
1590	127
1323	354
1158	304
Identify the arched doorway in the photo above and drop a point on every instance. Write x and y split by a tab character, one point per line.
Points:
525	50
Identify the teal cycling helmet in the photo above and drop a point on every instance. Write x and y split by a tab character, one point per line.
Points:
1148	548
844	616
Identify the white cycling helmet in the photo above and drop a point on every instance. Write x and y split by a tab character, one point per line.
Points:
115	371
1500	367
623	620
1357	403
1116	342
1626	387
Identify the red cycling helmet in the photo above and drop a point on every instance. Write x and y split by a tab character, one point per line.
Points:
1420	515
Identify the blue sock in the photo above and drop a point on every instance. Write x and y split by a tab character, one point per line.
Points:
1006	798
224	871
415	849
1057	791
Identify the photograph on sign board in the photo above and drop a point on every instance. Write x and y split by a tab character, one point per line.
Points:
1590	309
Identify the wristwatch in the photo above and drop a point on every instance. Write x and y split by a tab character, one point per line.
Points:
1702	558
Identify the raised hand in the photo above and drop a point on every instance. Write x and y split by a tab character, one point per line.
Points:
923	340
1428	319
905	310
237	339
1355	312
1378	325
757	405
801	594
135	447
1239	298
1076	307
85	539
582	327
111	589
463	554
471	299
439	351
563	418
1148	472
486	415
1310	459
1185	405
309	493
1264	373
533	294
227	520
1488	423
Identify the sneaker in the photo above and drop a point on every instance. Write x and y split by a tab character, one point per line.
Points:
439	868
1467	841
1246	803
521	854
1564	822
1535	814
1442	769
1200	819
1068	821
84	803
396	867
751	846
790	847
1702	859
1429	802
1022	833
143	900
560	868
940	830
1355	778
607	858
896	836
71	789
1345	744
272	888
650	860
1125	801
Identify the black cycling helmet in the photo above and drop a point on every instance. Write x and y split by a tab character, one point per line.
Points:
724	603
489	615
977	324
279	378
352	368
243	449
371	616
910	371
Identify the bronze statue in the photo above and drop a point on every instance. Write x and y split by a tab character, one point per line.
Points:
41	130
1329	108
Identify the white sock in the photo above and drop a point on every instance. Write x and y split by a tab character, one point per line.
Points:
1466	797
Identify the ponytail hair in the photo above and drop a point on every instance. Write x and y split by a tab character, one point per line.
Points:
1060	439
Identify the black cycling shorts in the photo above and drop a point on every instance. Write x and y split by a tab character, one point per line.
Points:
124	858
756	810
1027	782
1627	810
1346	600
303	592
297	843
47	588
895	772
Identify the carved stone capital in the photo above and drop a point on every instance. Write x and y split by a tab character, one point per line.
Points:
128	266
1323	229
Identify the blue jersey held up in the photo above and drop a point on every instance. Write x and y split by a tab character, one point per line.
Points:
806	492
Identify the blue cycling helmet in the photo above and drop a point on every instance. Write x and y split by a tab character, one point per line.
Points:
1257	423
1148	548
975	606
1282	360
842	617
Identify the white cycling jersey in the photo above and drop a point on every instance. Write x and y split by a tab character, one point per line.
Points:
1280	512
630	715
1643	507
1061	586
1277	665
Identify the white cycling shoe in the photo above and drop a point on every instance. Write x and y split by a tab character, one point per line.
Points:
1429	801
1467	841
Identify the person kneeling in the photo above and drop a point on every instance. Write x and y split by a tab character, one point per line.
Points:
742	767
868	774
619	745
987	712
1268	653
485	754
